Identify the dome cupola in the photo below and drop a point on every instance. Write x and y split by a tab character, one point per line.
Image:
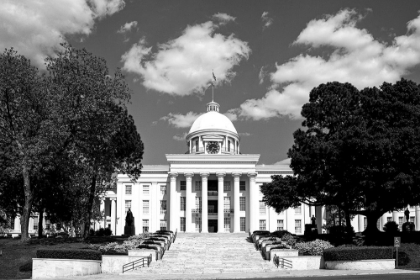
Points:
213	133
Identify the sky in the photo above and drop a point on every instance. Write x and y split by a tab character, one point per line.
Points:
266	57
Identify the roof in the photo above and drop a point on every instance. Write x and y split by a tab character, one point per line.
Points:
212	120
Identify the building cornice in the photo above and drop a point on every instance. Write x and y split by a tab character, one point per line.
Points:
212	159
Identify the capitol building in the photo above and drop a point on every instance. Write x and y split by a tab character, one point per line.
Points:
213	187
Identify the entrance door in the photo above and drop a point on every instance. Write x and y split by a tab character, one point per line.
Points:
212	225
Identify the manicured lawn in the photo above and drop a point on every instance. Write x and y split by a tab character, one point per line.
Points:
16	254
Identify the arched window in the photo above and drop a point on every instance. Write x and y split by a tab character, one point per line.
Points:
228	145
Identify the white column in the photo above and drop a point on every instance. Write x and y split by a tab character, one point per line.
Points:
220	211
204	201
102	209
395	216
417	218
253	203
188	202
236	224
383	221
360	222
113	215
173	214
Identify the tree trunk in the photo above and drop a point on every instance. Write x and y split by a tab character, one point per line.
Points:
26	212
90	206
348	221
40	221
372	219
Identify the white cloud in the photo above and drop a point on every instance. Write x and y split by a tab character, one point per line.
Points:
355	57
184	66
180	137
284	162
267	21
223	18
179	120
232	114
127	27
244	134
262	74
36	28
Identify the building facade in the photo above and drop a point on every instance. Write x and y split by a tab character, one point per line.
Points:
213	187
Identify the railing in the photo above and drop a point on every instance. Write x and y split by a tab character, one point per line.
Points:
212	193
228	210
282	262
195	210
137	263
222	151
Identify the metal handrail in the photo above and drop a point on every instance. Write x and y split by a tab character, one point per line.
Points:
282	262
196	210
212	193
137	263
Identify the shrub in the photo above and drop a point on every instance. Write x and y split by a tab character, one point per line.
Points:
391	227
26	267
357	253
313	248
289	239
69	254
164	231
279	233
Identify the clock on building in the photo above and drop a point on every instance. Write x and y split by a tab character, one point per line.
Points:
213	147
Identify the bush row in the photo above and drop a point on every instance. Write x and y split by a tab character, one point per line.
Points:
357	253
69	254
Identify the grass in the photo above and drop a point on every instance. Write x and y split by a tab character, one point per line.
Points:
17	254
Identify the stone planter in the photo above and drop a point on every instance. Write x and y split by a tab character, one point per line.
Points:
361	265
54	268
267	242
302	262
281	253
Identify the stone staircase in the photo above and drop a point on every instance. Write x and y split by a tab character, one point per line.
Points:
211	253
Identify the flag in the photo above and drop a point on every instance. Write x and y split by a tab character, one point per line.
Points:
214	77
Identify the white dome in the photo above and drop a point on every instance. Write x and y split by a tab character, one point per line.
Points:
212	120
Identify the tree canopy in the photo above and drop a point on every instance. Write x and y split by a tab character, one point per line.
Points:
358	150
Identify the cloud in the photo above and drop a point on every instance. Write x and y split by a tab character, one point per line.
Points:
184	65
283	162
262	74
223	18
353	56
179	120
267	21
181	137
232	114
36	28
244	134
127	27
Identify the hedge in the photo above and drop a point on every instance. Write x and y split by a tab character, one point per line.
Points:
69	254
357	253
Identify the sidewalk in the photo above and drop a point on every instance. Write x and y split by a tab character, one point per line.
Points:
279	274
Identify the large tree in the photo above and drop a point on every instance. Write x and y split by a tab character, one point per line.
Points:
358	150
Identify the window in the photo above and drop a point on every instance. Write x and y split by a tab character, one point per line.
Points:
262	207
162	206
128	189
163	225
242	186
242	203
196	145
226	186
146	189
242	224
163	189
400	222
48	224
145	207
388	219
227	203
298	226
197	224
127	205
280	225
182	223
145	225
227	224
412	219
229	146
262	225
198	186
182	203
12	222
364	222
35	223
198	203
298	210
183	185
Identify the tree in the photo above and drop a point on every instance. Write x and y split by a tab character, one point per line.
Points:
359	151
25	127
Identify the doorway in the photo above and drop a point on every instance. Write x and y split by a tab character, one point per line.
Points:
212	225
